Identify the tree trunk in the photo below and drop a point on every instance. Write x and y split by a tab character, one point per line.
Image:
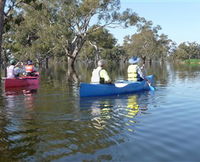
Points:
143	59
150	62
2	5
47	63
71	72
70	62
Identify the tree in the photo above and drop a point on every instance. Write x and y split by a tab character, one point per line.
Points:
29	37
6	16
68	25
2	5
187	50
147	43
77	20
98	42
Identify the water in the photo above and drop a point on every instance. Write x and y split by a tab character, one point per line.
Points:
53	124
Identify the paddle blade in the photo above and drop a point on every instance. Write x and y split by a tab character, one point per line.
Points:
151	88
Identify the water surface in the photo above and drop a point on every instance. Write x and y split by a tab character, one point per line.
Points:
52	123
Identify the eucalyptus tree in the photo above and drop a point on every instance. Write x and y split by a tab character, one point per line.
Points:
147	43
187	50
98	42
2	5
164	48
141	44
65	26
7	13
30	38
78	19
116	54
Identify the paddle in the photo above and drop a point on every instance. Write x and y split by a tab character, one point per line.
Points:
149	83
147	80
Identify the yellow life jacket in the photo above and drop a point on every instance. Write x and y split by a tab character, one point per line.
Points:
132	72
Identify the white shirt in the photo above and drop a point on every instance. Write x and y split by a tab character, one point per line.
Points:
12	71
96	75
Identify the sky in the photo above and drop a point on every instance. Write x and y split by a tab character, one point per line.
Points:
179	19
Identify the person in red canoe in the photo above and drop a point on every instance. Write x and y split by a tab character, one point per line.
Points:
14	70
30	69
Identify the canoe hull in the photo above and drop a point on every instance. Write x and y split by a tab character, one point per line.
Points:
89	90
21	82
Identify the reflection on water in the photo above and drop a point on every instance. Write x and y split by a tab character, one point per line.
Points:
98	124
52	123
28	93
114	114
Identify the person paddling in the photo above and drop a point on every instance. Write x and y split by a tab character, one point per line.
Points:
13	70
134	71
30	68
100	75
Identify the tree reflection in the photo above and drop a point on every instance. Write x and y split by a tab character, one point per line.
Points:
16	139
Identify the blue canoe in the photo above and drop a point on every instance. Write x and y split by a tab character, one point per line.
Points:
121	87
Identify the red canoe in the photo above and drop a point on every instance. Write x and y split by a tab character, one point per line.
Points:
21	81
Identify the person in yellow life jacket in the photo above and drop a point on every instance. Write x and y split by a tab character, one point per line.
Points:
100	75
30	68
134	71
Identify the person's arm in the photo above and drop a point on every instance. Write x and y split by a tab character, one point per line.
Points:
17	71
105	75
139	71
143	76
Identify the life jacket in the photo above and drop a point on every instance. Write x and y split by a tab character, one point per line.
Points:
29	68
132	73
96	75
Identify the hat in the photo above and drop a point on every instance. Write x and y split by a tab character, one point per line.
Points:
134	60
101	62
13	62
29	62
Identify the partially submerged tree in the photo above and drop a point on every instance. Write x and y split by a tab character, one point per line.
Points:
2	5
98	42
78	19
147	43
8	17
187	50
65	26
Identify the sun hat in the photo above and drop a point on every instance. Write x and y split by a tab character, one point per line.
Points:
134	60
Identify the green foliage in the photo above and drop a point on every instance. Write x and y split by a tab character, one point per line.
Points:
193	61
115	54
147	42
42	29
187	50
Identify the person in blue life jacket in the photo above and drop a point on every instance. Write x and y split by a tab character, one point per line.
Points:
100	75
134	71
